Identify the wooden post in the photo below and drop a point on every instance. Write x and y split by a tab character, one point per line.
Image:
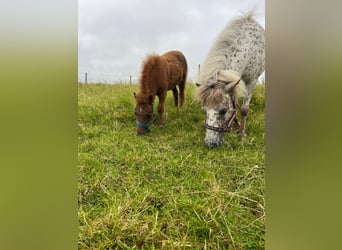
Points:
130	79
199	72
86	77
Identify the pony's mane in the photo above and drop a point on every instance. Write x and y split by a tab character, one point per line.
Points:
146	74
211	94
217	55
215	74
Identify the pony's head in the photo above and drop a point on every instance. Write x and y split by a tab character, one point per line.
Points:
143	112
218	99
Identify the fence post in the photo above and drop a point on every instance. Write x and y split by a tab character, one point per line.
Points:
130	79
86	77
199	72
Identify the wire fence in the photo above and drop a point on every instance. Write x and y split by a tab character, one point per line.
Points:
85	76
110	78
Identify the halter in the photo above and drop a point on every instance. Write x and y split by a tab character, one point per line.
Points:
143	125
227	127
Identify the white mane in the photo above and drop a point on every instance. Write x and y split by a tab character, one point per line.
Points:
216	59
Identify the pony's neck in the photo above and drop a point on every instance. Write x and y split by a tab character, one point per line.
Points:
144	90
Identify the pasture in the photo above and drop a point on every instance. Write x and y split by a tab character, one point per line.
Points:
166	190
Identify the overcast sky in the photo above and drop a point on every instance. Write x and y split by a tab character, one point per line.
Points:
115	36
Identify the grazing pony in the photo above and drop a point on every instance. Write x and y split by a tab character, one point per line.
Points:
159	74
230	71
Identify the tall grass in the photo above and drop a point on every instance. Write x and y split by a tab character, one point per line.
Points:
166	190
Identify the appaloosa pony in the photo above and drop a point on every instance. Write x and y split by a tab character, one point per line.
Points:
159	74
230	71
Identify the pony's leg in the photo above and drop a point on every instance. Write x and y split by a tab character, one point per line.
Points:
236	121
181	91
161	102
175	95
245	107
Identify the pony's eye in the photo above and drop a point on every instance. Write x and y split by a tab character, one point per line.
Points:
223	111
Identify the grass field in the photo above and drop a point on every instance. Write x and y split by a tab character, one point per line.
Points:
166	190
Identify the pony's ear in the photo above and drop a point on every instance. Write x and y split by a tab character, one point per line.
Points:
150	99
230	86
230	78
236	88
197	84
135	95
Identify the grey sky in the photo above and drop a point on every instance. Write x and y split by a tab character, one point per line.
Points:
115	36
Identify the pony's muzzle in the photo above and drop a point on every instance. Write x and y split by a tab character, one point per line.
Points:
212	144
141	131
142	128
213	139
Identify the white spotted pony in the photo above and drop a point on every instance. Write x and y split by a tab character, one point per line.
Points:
230	71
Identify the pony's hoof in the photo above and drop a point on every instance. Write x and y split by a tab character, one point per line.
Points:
161	126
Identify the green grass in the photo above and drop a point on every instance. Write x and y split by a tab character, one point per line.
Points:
166	190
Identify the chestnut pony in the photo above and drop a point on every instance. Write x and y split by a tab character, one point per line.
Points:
159	74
